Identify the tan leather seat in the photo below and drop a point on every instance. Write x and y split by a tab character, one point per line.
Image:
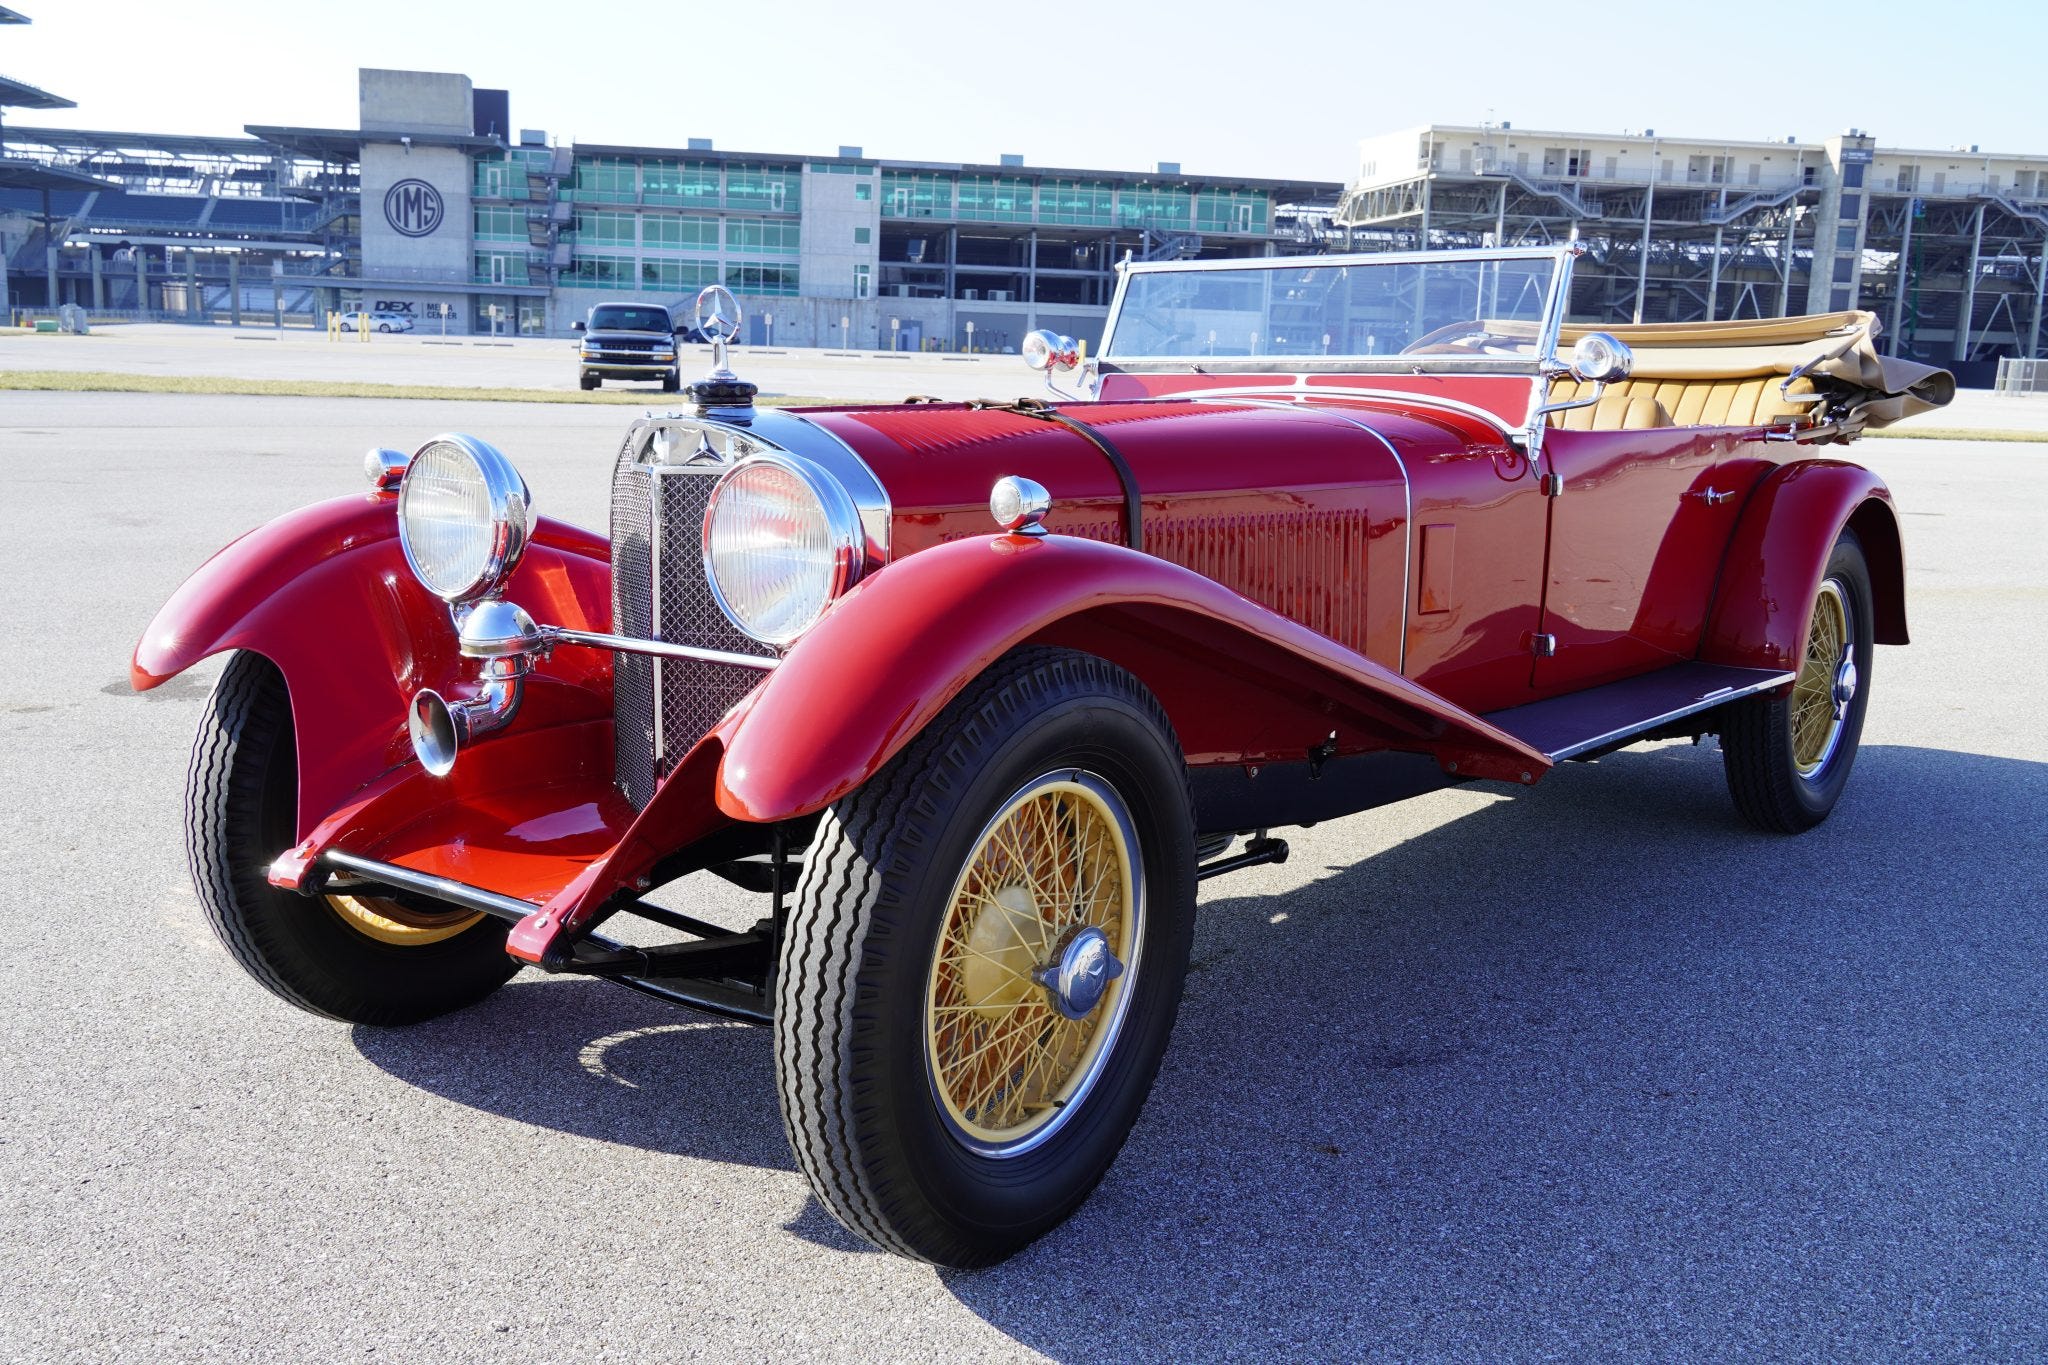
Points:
1637	404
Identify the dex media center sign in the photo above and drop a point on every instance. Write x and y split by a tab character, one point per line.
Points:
413	208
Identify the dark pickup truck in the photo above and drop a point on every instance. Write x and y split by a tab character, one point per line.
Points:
630	341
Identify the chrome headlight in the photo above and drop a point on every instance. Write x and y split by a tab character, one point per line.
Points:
781	540
462	517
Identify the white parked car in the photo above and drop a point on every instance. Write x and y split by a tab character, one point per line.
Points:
375	322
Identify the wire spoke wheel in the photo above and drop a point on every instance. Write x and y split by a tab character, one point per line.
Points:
1819	703
1788	756
1035	962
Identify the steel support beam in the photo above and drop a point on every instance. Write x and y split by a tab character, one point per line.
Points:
1966	315
1643	255
1902	278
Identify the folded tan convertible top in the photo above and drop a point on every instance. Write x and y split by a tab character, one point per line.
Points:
1823	346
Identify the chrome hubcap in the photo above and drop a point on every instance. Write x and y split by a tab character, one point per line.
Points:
1080	972
1845	682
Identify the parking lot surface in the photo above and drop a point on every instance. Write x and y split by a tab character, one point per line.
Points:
546	363
1584	1071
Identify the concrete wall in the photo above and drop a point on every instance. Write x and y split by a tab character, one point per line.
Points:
833	216
414	101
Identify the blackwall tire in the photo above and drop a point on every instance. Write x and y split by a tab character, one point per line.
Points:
336	957
1788	759
870	1083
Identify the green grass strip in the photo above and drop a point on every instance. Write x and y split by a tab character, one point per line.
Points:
1915	433
109	381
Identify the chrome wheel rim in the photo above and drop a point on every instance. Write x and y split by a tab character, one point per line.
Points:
1034	965
1827	682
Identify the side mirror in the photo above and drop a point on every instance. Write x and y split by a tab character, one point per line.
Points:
1045	350
1601	358
576	327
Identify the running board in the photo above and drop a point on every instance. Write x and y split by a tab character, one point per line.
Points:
1601	719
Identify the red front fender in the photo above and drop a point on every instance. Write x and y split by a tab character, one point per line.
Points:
1241	684
1773	568
325	594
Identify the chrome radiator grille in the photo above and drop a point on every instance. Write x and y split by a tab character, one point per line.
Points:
664	706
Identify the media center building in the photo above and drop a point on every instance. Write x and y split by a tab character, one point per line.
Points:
439	208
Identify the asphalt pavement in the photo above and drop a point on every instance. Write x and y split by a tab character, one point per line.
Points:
1587	1071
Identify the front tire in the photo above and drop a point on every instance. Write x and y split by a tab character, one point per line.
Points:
588	382
985	961
351	958
672	382
1788	758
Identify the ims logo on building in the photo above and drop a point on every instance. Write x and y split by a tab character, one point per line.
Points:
413	208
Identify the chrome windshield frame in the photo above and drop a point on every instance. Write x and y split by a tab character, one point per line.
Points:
1556	301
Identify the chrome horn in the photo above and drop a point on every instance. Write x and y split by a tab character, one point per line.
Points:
507	640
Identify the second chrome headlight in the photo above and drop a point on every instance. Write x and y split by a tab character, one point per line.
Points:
781	540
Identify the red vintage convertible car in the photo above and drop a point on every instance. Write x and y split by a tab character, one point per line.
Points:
974	695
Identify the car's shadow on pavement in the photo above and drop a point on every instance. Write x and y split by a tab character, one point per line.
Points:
587	1058
1592	1064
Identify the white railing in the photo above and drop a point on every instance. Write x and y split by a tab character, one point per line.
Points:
2021	376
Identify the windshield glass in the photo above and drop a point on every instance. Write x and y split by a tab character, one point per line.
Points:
1448	307
624	318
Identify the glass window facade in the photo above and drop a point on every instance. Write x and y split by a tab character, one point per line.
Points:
498	267
686	183
861	236
601	179
604	229
995	199
676	275
761	279
761	237
864	192
1081	203
600	272
686	232
1162	206
841	168
498	223
1233	211
916	194
750	185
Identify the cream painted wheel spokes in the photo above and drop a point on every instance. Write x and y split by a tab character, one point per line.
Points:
398	925
1827	681
1037	955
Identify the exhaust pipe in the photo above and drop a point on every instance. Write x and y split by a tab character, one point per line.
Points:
506	639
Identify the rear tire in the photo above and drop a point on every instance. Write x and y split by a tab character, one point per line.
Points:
366	962
384	327
1788	758
961	1142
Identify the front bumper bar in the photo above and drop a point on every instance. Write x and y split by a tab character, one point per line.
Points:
724	973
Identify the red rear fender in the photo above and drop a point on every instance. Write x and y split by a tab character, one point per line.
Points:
325	594
1240	683
1773	568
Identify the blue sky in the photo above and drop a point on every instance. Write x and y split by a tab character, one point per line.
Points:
1244	88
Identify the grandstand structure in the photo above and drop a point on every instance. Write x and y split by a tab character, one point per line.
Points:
1945	246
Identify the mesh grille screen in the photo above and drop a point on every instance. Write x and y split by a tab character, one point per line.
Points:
692	695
